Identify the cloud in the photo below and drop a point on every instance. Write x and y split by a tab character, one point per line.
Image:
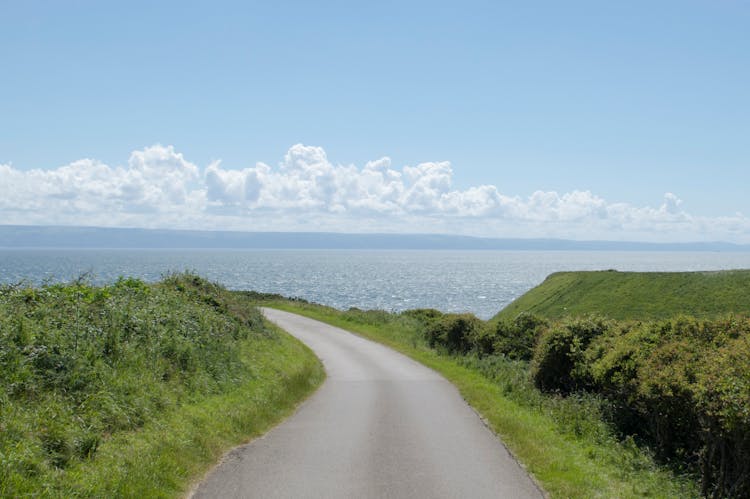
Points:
158	187
156	179
158	176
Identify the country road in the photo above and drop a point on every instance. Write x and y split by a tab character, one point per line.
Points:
381	426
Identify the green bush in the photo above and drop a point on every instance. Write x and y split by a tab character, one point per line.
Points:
559	361
516	339
360	316
722	394
459	334
682	385
425	316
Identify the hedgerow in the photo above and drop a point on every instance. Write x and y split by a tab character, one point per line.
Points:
680	386
79	364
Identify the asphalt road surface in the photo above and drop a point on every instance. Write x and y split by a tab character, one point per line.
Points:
381	426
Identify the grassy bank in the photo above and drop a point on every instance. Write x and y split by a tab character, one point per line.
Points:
134	389
562	441
636	295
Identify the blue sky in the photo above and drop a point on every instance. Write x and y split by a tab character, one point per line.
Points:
613	120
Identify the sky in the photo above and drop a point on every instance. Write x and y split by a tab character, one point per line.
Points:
575	120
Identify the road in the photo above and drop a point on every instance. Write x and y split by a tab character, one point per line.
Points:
381	426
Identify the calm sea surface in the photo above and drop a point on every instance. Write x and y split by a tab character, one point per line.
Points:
482	282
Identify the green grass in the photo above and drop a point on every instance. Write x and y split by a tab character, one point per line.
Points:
636	295
136	390
561	441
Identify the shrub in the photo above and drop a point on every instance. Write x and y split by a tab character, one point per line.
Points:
517	339
425	316
374	317
458	334
559	362
722	395
683	385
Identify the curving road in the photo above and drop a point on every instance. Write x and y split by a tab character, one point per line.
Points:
382	425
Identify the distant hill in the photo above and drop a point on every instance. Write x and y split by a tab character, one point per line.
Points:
636	295
15	236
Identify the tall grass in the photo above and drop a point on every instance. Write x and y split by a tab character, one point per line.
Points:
112	390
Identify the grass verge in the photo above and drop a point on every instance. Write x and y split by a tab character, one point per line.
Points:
136	390
568	450
166	457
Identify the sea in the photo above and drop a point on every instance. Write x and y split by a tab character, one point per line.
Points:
477	281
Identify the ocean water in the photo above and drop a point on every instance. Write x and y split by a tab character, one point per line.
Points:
482	282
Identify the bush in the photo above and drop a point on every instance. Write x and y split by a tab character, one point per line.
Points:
722	395
559	362
682	385
517	339
459	334
425	316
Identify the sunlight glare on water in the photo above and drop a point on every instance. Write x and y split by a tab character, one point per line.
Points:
482	282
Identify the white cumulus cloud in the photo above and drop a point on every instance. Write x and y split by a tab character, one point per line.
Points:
158	187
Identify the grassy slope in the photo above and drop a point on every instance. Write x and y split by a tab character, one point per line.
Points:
565	464
167	456
636	295
158	428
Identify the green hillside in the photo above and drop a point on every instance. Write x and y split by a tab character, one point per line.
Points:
636	295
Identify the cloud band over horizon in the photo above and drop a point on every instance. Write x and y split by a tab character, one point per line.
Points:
159	188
